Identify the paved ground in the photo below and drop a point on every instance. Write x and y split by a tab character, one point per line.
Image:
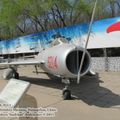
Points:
97	97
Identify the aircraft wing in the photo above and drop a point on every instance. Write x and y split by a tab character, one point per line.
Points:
23	62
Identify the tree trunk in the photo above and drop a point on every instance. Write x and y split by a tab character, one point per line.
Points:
60	16
112	6
56	22
20	29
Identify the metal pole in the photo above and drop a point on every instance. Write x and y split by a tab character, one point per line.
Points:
89	31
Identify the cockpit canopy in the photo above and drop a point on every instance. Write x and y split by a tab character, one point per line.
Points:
58	41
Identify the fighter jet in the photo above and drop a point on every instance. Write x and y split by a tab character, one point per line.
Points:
62	59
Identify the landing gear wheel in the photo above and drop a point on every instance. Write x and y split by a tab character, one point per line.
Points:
66	94
16	75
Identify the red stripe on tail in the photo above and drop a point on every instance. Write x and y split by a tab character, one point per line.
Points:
114	27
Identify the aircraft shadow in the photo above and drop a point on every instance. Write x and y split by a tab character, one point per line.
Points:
88	90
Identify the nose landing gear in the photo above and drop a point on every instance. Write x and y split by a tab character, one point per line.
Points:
66	92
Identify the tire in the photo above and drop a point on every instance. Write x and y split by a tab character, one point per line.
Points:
66	95
16	75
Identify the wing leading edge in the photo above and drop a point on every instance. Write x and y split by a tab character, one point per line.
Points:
23	62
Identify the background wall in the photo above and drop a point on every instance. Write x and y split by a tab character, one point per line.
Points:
103	64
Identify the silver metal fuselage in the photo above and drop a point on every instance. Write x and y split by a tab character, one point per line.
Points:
63	60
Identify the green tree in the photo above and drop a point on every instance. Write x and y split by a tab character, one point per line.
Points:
21	17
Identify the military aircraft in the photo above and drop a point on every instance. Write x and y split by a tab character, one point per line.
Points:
62	59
